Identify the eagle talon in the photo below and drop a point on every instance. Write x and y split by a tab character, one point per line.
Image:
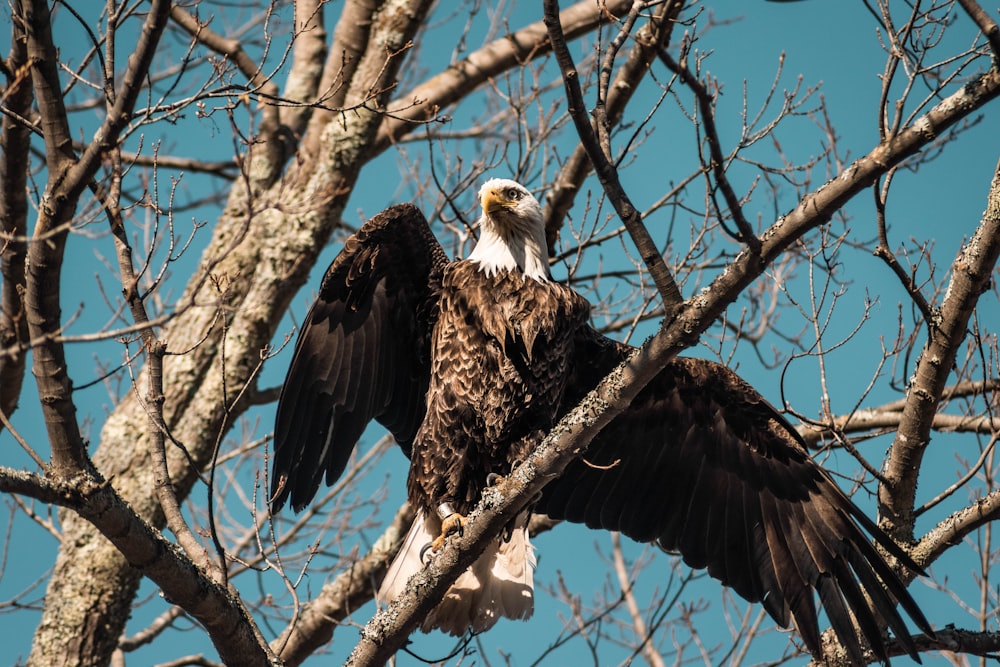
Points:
450	524
423	553
493	479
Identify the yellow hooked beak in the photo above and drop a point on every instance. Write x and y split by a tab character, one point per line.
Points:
495	201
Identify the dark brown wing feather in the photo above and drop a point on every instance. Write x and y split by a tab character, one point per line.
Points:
708	468
363	353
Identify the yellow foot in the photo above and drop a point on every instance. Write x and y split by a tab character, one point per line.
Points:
453	522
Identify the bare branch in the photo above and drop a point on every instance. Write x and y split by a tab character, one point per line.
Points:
972	272
648	41
424	102
349	590
15	138
719	162
956	527
298	147
308	55
988	26
232	630
603	167
648	651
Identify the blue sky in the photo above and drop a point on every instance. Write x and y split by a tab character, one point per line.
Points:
831	44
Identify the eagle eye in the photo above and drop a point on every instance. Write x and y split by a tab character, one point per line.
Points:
514	194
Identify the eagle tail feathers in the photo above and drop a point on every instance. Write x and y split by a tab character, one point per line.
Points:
407	562
500	584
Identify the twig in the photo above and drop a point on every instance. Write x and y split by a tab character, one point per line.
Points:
648	40
718	164
606	172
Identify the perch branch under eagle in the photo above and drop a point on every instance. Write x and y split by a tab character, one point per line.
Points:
469	363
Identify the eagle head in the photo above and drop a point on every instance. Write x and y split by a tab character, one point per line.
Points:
512	230
508	204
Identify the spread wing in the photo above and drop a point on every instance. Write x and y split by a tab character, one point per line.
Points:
705	466
363	353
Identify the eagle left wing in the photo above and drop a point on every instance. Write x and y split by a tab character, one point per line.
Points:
701	464
363	353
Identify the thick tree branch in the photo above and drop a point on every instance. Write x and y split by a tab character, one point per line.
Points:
351	38
986	24
309	52
66	180
15	139
33	16
948	639
44	259
956	527
231	629
972	272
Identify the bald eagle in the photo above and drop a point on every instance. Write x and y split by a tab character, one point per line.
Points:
469	363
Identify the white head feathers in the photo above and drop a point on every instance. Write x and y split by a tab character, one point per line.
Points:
512	231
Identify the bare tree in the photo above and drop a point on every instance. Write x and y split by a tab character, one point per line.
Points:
173	172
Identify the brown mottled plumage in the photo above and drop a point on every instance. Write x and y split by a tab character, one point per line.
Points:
469	363
518	349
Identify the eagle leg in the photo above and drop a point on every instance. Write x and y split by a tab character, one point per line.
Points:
450	524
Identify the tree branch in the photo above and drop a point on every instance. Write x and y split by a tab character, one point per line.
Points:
34	18
986	24
132	82
646	649
881	419
15	138
423	103
269	136
262	277
948	640
153	400
351	38
718	163
231	629
355	586
308	55
955	528
648	41
44	259
607	174
972	272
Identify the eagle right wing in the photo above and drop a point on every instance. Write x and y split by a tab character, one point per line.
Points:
363	353
700	463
